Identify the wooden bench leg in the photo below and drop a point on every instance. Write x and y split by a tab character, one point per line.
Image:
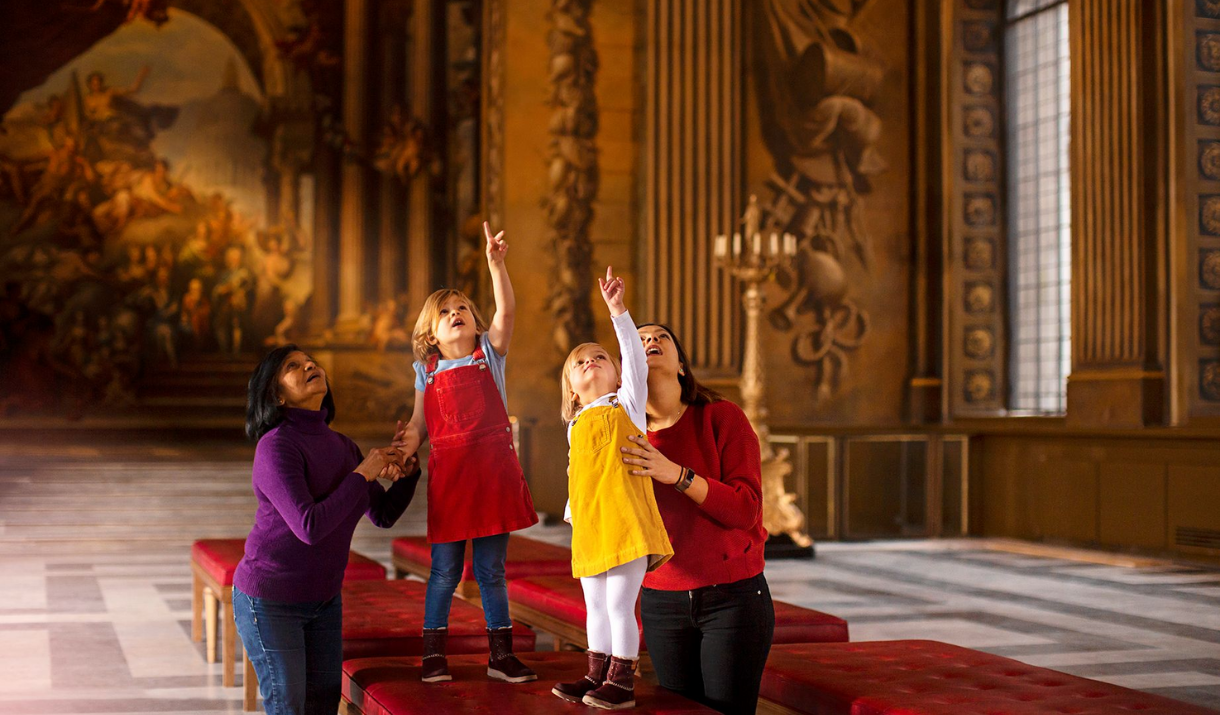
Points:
249	684
228	642
210	604
196	609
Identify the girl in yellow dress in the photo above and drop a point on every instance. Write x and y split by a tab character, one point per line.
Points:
617	533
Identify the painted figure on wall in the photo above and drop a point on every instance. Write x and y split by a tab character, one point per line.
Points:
816	87
133	226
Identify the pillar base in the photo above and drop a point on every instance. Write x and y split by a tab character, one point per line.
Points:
1115	398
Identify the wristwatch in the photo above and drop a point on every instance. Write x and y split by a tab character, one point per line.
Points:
685	480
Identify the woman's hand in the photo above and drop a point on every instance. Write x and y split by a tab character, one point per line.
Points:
397	470
612	292
650	461
377	460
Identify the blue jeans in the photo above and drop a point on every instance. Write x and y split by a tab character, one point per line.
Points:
490	553
296	650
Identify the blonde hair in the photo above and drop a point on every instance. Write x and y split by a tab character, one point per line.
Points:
571	403
423	338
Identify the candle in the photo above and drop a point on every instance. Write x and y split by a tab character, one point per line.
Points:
774	243
736	245
789	244
722	242
757	244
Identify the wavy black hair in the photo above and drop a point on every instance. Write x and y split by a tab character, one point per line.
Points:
263	408
693	392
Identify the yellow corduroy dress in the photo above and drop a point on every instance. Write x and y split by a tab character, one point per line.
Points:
614	513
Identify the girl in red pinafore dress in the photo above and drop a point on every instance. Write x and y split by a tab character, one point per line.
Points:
476	489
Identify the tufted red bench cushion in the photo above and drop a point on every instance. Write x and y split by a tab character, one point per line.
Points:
931	678
219	558
391	686
526	557
562	598
386	618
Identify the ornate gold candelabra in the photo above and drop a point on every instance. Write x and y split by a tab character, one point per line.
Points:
753	258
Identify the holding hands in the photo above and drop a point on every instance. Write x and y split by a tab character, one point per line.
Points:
387	463
612	292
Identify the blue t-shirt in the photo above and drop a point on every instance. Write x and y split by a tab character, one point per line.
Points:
495	361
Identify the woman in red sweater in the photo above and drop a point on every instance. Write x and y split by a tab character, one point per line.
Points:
708	616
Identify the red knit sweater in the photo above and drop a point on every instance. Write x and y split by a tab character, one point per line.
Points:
721	540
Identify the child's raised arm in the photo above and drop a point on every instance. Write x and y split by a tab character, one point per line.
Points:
501	331
634	392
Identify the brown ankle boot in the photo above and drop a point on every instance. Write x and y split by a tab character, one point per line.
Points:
599	663
501	663
435	665
618	692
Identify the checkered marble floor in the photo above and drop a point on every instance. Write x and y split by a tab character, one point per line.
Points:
102	633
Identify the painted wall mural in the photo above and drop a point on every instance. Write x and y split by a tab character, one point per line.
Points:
134	228
816	89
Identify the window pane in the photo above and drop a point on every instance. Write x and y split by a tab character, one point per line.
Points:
1038	72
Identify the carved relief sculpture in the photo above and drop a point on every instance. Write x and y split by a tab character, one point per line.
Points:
816	85
573	175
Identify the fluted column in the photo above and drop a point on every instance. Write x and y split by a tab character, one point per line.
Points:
1116	378
355	178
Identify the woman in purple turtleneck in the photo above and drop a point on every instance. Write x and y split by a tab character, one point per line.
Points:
312	485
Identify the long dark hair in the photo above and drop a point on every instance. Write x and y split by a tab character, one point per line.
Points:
693	392
263	408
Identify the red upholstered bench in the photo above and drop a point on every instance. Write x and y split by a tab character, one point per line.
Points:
386	618
213	562
390	686
931	678
556	604
526	557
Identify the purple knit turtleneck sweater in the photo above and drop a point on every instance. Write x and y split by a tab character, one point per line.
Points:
309	502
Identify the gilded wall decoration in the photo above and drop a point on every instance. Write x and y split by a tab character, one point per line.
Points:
1209	214
1209	269
979	78
1208	51
976	223
1208	8
1209	380
978	122
980	386
1209	106
980	210
980	343
817	85
979	297
1209	324
573	174
1209	159
980	254
980	166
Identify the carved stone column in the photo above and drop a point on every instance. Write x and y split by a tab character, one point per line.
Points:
1116	379
392	239
421	276
355	176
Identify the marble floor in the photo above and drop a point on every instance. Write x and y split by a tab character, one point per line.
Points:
95	599
103	633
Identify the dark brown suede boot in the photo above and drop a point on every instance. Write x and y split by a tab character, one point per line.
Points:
599	663
618	692
501	663
435	665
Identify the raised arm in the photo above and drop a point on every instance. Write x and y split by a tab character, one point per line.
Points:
501	331
634	392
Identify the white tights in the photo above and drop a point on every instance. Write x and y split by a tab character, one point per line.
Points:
610	601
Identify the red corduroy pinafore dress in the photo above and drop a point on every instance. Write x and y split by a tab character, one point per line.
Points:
475	483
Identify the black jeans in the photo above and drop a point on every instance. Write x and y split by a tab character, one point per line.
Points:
711	644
